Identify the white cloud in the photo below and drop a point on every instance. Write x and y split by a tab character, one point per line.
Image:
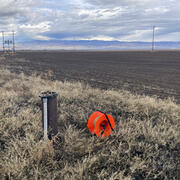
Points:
100	14
11	8
40	37
100	38
36	31
137	34
37	28
112	3
107	20
90	38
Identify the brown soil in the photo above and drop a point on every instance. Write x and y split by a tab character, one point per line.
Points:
143	72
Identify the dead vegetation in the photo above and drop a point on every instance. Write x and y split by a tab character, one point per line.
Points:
144	145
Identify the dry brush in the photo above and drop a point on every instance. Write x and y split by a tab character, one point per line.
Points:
144	145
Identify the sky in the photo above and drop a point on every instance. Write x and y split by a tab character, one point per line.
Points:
103	20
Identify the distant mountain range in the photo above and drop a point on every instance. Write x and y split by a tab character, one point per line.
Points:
95	45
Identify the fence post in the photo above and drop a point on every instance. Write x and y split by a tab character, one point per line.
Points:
49	114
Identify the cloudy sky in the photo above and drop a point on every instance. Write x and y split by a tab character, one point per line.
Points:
107	20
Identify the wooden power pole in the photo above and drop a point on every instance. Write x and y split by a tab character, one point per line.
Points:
13	42
153	38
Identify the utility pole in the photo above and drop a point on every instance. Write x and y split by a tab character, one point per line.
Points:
153	38
13	41
3	40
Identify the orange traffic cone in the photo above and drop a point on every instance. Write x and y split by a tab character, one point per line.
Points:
101	124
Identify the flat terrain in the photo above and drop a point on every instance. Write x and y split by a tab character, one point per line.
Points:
142	72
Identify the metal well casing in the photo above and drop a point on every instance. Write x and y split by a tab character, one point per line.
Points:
49	113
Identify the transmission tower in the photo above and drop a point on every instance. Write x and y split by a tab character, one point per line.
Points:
8	44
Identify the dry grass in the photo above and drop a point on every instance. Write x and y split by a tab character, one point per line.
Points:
144	145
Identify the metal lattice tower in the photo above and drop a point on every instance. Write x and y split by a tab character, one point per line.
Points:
8	45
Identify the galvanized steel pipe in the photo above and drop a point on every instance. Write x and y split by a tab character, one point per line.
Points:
45	115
